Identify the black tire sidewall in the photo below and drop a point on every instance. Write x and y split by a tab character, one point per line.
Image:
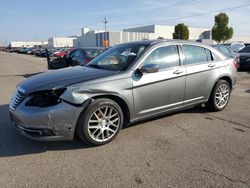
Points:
82	128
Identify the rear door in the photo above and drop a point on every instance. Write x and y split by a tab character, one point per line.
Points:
201	72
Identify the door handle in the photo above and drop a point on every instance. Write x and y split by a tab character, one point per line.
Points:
178	71
211	65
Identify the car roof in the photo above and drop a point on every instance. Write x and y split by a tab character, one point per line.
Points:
159	41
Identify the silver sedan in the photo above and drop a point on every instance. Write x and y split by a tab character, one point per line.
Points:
126	83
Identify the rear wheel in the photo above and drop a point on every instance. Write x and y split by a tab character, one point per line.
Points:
100	123
220	96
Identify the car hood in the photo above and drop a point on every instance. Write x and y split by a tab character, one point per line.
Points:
62	78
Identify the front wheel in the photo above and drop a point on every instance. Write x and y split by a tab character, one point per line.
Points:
100	123
220	96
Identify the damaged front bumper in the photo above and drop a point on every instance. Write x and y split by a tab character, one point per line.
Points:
54	123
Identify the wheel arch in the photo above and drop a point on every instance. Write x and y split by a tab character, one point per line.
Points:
224	77
121	102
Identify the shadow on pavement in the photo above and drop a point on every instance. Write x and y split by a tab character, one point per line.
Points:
244	70
13	143
198	109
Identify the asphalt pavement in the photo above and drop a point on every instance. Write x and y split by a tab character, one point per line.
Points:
193	148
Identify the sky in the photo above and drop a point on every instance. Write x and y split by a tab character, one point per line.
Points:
33	20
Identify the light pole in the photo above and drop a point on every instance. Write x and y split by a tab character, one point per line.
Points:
105	24
105	41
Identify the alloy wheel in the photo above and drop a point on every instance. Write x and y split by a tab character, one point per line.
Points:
104	123
222	95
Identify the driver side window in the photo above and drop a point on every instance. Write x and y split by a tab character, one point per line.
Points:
165	57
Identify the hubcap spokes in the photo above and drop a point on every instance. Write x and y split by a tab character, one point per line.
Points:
222	96
103	123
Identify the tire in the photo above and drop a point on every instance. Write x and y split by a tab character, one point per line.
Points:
99	119
215	102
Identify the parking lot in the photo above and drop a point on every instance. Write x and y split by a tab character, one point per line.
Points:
194	148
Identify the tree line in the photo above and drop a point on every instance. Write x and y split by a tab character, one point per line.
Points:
220	31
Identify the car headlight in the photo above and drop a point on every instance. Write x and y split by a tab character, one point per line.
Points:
45	98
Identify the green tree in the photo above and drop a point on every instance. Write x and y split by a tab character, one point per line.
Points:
181	32
220	31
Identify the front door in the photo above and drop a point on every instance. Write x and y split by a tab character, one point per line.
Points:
161	91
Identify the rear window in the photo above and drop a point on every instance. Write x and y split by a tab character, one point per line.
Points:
196	54
225	51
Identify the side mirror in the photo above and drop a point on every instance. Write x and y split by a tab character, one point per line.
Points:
149	68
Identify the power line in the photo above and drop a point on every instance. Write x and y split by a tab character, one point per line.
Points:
195	15
157	8
122	16
152	9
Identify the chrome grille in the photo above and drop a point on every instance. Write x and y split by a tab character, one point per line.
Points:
17	98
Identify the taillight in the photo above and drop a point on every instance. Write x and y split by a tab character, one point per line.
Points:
235	64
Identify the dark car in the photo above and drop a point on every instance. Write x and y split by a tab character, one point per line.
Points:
228	52
42	52
22	51
28	51
79	56
245	57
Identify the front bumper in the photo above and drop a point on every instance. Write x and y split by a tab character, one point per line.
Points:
55	123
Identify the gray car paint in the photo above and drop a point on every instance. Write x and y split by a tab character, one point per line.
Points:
145	96
62	78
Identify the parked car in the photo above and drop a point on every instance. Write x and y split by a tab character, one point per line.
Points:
124	84
62	52
10	50
28	51
235	46
22	51
245	57
228	52
42	52
39	52
79	56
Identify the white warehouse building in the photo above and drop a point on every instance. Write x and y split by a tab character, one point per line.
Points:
57	42
27	44
97	38
166	32
93	39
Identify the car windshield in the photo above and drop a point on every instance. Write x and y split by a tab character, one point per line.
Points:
118	58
